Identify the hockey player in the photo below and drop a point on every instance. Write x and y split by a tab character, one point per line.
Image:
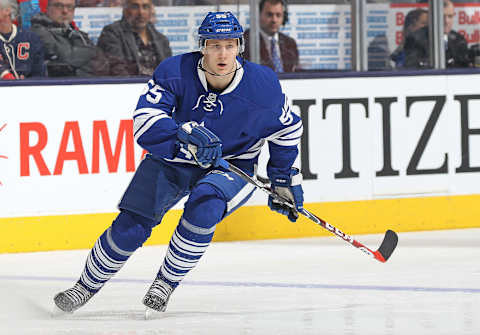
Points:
197	108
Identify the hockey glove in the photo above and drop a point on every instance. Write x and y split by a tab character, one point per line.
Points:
201	143
290	189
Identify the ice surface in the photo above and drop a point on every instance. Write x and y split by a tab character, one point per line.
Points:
430	285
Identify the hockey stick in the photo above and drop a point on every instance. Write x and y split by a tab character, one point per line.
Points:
383	253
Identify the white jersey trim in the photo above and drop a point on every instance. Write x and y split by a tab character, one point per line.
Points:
240	196
251	152
288	136
233	85
144	118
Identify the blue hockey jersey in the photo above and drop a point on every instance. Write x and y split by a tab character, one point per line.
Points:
250	111
21	52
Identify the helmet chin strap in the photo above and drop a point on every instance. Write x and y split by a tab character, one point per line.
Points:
200	66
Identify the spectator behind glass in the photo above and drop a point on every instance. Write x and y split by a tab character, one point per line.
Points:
132	45
21	52
414	20
456	49
277	50
27	9
68	51
99	3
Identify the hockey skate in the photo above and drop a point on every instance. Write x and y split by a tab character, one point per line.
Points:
72	299
157	296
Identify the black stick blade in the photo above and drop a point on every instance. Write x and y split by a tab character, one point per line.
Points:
389	244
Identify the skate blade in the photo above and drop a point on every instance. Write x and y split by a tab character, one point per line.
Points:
58	313
151	314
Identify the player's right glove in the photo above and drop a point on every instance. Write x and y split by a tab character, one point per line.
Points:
289	188
201	143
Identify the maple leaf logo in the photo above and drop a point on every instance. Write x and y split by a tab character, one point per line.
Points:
2	156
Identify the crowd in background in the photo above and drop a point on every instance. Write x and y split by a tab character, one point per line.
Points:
54	46
39	38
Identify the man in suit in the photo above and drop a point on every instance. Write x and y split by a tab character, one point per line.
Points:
132	45
456	48
277	50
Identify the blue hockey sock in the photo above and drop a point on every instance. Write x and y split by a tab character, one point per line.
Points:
113	248
186	247
103	262
203	210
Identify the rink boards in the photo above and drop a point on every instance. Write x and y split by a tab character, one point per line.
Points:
397	153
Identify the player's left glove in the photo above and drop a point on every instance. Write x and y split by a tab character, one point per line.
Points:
203	144
289	188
